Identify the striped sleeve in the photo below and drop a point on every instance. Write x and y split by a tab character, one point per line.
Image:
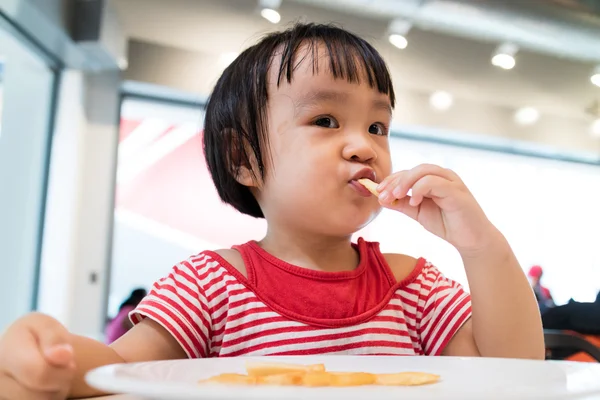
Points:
444	306
177	302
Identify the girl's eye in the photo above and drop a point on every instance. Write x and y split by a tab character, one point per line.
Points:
326	122
378	129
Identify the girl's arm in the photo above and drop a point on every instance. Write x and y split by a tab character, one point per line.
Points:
505	317
506	320
146	341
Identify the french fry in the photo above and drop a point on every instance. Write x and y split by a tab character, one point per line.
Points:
370	185
263	369
338	379
232	379
406	379
279	374
315	379
352	379
289	379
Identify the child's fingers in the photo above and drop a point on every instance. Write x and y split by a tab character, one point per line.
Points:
402	205
54	342
431	186
26	345
399	183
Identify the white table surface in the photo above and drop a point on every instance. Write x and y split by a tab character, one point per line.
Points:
115	397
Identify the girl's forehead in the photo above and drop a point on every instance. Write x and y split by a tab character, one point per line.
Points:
312	72
317	62
313	57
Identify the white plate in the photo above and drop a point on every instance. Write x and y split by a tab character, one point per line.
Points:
461	378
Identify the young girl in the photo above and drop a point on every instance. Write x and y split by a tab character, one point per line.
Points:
291	126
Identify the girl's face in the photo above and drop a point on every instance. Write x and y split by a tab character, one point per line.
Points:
323	135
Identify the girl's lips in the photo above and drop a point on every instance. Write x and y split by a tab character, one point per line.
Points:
363	191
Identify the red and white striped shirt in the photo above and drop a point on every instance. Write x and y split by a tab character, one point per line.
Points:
212	310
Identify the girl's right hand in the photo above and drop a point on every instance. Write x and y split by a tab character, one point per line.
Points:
36	360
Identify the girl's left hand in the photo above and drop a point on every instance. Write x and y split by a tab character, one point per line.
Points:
440	202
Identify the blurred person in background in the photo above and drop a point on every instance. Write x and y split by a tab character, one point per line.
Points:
583	318
542	293
120	324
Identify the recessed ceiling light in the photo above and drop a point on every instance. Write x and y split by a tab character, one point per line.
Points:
397	31
504	61
441	100
527	116
122	63
504	56
398	41
270	15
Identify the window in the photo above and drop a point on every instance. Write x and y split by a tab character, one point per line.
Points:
166	207
26	101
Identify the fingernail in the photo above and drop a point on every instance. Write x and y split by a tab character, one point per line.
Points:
64	346
59	347
380	187
383	196
398	192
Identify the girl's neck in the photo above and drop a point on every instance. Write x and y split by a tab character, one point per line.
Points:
321	253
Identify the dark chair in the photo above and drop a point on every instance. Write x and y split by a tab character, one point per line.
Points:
562	344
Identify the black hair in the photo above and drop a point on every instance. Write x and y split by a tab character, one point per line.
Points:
235	127
134	298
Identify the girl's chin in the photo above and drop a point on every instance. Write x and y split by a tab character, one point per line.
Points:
356	222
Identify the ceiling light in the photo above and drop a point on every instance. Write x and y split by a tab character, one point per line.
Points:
268	10
270	15
595	78
398	40
441	100
122	63
595	129
504	56
397	31
504	61
527	116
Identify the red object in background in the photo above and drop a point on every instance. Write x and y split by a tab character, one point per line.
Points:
536	272
177	191
582	356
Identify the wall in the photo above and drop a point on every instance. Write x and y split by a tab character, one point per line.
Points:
77	234
144	251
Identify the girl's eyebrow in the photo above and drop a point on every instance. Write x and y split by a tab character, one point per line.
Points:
311	98
321	96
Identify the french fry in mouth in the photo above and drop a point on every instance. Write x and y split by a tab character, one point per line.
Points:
370	185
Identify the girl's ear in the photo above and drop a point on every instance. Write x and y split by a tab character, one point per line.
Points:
242	163
245	176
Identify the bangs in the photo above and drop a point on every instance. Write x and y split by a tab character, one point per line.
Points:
347	57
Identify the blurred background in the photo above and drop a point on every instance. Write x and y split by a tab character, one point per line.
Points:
103	185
